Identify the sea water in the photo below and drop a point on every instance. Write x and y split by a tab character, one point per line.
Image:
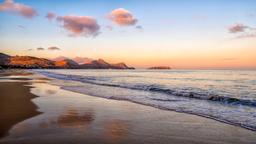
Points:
225	95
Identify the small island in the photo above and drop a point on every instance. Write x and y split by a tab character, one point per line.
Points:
160	67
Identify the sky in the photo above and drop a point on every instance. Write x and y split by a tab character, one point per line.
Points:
182	34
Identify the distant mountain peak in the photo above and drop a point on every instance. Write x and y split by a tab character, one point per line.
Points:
102	61
66	63
79	60
7	61
59	58
82	60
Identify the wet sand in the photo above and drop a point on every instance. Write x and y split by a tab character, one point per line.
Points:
15	105
69	117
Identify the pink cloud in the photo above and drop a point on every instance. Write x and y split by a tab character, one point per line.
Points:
80	25
237	28
122	17
243	31
17	8
251	35
50	15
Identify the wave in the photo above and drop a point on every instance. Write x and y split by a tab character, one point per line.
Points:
155	89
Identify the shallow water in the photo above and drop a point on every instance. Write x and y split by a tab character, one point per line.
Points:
225	95
69	117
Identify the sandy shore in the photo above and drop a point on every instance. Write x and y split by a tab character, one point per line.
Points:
69	117
15	105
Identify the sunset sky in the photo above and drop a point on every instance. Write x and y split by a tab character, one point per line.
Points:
142	33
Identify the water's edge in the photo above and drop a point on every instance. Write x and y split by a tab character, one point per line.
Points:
160	107
81	91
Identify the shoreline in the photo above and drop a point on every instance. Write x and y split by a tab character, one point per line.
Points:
81	91
65	114
166	109
17	107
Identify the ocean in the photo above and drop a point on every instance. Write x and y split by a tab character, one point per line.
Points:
225	95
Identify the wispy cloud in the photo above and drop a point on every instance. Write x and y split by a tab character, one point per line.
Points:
252	15
200	17
50	15
237	28
80	25
17	8
122	17
53	48
21	26
242	31
40	49
109	27
247	35
139	27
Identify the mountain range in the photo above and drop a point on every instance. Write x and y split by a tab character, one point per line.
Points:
30	62
79	60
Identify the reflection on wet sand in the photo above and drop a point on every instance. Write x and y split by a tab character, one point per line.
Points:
42	89
115	130
15	72
19	75
43	78
13	78
72	118
51	92
21	128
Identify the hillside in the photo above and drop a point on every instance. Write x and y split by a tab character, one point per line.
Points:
29	62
